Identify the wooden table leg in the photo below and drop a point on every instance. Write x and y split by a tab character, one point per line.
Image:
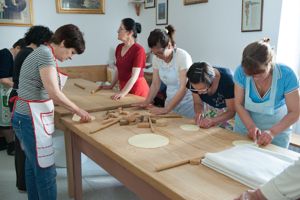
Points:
69	160
77	167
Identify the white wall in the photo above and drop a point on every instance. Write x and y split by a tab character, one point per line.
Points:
288	43
208	31
212	31
100	30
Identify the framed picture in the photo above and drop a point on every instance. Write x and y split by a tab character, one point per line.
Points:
161	12
80	6
252	15
16	13
189	2
149	4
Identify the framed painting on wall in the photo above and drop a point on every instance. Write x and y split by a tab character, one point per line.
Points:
189	2
80	6
252	15
149	4
161	12
16	13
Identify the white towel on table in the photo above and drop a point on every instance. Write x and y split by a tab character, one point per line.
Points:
248	164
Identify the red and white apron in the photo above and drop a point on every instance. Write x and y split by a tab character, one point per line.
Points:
42	114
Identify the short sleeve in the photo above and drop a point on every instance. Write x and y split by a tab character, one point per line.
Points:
240	77
45	58
139	58
291	81
184	60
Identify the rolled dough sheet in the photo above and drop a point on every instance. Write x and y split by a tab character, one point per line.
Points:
148	140
189	127
243	142
76	118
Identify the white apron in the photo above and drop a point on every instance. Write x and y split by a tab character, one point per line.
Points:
264	114
170	76
42	114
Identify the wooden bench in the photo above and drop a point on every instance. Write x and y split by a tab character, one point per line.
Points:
295	140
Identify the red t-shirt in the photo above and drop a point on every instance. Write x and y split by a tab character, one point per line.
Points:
134	57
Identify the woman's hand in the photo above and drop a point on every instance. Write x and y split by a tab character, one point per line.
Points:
265	138
254	133
118	96
84	116
158	111
206	123
251	195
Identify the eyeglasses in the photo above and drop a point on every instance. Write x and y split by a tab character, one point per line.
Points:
203	91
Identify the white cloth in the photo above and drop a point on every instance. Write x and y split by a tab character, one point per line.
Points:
248	164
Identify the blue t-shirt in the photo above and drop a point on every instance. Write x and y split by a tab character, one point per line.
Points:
286	83
224	91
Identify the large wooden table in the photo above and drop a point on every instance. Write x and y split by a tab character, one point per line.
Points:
90	102
135	167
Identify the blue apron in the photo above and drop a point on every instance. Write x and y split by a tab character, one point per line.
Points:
264	114
170	76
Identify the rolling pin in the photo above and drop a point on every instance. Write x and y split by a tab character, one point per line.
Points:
167	116
116	120
151	125
80	86
96	90
143	125
194	161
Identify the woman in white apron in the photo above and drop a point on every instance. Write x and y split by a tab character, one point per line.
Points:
40	84
266	96
213	94
170	65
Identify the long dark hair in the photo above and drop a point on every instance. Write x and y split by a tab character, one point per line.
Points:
131	25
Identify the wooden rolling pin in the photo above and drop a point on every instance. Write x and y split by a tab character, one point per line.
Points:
80	86
194	161
151	125
96	90
116	120
167	116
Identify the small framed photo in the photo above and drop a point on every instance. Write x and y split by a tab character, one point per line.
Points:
252	15
149	4
16	13
189	2
161	12
80	6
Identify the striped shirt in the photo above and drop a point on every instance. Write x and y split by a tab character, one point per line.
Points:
30	83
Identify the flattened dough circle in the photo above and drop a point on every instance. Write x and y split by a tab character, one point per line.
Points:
243	142
148	140
189	127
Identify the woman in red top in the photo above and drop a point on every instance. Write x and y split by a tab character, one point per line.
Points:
130	62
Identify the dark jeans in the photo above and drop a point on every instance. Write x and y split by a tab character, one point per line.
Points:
40	182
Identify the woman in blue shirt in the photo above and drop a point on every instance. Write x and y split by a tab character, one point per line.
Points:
213	94
266	96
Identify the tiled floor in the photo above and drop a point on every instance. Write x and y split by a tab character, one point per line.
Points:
97	184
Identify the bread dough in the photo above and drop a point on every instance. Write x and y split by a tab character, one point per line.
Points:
76	118
148	140
243	142
189	127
